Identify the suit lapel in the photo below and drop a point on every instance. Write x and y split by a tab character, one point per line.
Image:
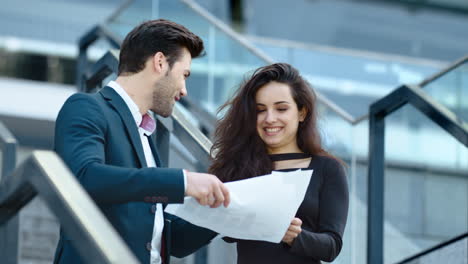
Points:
119	105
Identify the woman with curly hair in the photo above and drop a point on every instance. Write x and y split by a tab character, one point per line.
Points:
271	124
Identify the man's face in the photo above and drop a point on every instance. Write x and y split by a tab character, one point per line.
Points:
171	87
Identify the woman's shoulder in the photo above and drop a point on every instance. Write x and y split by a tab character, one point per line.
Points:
327	164
326	161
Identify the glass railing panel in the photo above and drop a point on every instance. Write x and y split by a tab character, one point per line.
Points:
426	185
349	143
337	133
357	177
351	79
451	90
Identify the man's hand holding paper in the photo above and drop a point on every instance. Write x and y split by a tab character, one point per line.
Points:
261	208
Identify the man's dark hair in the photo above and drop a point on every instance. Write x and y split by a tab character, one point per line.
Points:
154	36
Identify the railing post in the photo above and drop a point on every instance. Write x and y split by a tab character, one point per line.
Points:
375	188
8	145
437	113
9	233
81	66
84	43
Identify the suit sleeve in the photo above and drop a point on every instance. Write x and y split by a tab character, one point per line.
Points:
327	242
187	238
80	138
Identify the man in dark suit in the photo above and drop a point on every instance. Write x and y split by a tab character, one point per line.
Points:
107	141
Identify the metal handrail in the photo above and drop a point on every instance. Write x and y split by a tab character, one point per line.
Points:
437	113
434	248
227	30
10	231
432	5
118	11
105	66
444	71
207	119
96	33
45	174
191	136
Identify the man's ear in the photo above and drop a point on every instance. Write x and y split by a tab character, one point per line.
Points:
160	63
302	114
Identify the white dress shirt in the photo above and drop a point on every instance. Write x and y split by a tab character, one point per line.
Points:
159	217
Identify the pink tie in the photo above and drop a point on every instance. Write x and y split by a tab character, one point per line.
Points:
148	123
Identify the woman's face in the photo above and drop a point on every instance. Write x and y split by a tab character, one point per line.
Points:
278	118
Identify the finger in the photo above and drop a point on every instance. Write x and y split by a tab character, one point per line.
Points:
227	195
287	239
287	236
211	200
199	200
296	221
218	194
291	235
216	204
203	200
295	229
292	228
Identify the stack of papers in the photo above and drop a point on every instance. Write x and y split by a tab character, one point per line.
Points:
261	208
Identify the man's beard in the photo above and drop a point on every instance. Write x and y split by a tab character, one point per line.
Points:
163	97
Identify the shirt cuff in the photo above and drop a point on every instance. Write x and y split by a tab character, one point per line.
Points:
185	181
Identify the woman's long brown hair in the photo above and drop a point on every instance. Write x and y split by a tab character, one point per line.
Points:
239	151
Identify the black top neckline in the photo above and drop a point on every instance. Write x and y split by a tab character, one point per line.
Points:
288	156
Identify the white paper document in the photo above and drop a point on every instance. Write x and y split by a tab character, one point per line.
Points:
261	208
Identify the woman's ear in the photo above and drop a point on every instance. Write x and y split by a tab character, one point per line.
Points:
302	114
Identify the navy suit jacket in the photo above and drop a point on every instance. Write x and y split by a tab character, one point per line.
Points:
97	137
